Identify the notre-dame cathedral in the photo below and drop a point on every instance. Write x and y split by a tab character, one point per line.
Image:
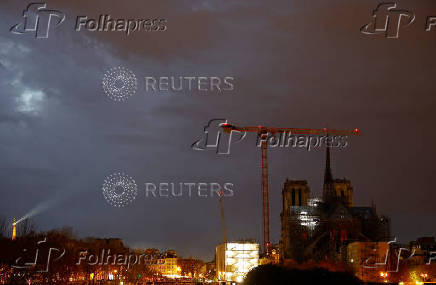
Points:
321	229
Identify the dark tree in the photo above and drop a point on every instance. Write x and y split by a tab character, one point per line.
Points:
279	275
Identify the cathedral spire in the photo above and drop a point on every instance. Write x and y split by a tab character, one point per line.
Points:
328	177
328	189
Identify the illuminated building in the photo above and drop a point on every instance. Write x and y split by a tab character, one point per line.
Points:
14	230
235	259
167	267
317	229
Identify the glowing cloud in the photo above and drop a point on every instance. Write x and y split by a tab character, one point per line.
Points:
30	101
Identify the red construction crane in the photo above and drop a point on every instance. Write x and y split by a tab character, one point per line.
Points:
261	130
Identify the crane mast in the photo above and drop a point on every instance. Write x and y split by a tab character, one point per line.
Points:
223	222
265	198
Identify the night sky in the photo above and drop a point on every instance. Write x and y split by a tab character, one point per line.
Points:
295	63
